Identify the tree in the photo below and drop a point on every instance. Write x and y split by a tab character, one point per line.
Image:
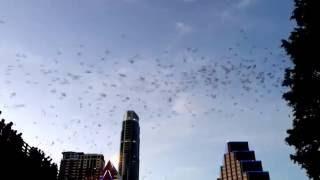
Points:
19	160
303	83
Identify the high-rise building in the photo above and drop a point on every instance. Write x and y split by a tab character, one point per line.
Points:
129	147
80	166
240	164
92	166
70	166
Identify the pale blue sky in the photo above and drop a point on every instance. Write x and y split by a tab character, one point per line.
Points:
198	72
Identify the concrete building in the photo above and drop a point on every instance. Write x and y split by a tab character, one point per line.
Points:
240	164
80	166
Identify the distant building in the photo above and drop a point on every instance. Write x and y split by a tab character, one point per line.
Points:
70	166
240	164
80	166
109	172
129	147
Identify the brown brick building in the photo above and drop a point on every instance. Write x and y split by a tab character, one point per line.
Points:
240	164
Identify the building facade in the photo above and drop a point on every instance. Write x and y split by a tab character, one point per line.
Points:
109	172
240	164
80	166
129	147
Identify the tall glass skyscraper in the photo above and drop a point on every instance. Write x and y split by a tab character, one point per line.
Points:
129	147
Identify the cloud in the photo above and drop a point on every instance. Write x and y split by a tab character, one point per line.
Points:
186	104
189	1
231	13
180	106
183	28
186	172
244	3
130	1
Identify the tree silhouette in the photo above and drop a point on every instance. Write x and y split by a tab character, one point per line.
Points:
20	161
303	81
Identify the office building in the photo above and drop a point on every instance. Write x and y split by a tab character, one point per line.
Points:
129	147
81	166
240	164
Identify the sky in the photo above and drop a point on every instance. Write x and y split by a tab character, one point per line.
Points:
199	73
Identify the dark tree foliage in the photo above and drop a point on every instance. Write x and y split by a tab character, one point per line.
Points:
303	81
20	161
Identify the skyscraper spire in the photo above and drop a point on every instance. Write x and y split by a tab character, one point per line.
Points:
109	172
129	147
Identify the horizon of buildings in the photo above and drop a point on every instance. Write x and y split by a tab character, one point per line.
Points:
81	166
239	162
